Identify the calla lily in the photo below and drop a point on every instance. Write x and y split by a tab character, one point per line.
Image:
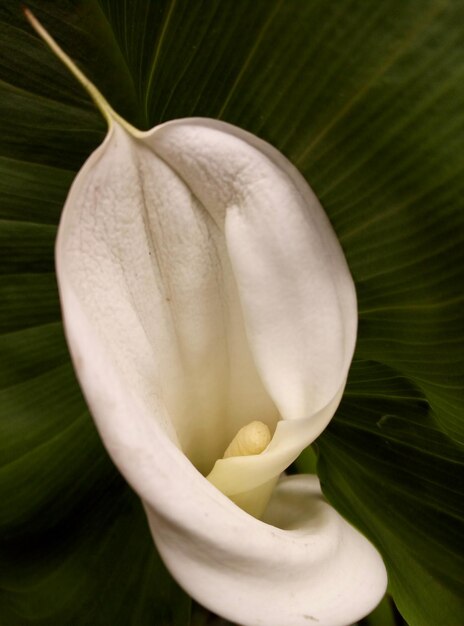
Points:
204	291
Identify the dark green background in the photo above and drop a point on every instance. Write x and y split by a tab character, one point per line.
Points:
367	100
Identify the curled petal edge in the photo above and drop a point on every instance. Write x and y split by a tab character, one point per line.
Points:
301	561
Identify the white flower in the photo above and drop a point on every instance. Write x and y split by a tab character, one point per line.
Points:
202	289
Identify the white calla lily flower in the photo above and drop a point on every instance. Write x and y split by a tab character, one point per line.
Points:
204	292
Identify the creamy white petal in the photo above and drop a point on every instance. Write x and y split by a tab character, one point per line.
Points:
303	561
296	292
329	575
151	269
136	367
152	224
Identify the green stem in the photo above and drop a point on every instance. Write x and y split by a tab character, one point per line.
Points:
107	111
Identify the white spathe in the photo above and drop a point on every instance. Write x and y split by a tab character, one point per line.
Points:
202	288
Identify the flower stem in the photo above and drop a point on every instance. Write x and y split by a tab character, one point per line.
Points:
107	111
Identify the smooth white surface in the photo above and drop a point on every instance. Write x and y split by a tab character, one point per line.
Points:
202	288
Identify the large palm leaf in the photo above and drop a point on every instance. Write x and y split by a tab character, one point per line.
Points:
367	99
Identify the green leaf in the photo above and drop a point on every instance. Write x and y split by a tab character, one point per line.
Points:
387	467
367	99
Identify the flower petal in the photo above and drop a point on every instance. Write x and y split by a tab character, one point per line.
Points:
152	271
302	563
296	292
156	235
